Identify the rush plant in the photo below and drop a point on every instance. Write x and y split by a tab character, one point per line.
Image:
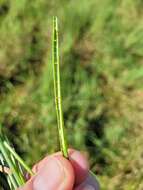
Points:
57	89
11	164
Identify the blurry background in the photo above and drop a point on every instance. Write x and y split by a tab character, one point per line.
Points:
101	48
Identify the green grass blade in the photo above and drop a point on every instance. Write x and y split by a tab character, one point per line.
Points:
11	181
57	88
17	157
18	181
15	177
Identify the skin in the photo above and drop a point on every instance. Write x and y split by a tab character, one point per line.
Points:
55	172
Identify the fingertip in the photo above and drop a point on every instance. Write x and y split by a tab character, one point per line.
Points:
57	173
80	165
54	172
68	173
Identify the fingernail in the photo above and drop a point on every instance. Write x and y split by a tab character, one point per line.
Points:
50	176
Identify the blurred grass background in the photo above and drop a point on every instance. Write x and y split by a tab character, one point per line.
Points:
101	48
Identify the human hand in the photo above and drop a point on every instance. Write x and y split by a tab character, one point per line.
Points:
55	172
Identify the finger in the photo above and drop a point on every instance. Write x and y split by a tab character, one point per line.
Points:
89	184
56	174
78	161
80	165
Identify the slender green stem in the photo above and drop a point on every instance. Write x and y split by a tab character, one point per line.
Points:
11	181
17	157
57	89
11	165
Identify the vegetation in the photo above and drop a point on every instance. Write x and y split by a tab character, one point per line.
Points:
57	89
11	165
101	45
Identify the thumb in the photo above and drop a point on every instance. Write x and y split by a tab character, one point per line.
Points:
56	173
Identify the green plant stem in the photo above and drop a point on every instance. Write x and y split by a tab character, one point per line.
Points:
18	181
17	157
57	89
11	181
